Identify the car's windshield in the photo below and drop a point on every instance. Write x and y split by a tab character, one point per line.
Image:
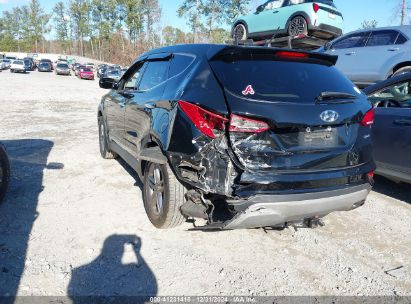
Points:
62	66
86	70
44	64
113	73
18	62
281	81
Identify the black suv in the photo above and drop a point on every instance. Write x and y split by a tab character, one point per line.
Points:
243	137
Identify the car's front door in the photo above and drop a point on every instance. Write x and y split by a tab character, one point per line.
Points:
392	130
114	104
149	92
380	47
268	20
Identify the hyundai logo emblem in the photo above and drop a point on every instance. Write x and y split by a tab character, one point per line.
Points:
329	116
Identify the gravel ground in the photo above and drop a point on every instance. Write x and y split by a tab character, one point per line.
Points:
74	224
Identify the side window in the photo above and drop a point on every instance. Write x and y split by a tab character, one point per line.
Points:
155	74
275	4
398	95
351	41
179	63
401	39
379	38
132	81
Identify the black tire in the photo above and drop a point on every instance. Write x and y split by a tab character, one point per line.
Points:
403	70
11	71
240	32
167	214
297	26
4	172
105	151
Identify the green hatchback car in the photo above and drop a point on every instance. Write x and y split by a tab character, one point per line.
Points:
278	18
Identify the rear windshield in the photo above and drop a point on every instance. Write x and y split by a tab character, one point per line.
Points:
62	66
281	81
18	62
327	2
113	73
86	70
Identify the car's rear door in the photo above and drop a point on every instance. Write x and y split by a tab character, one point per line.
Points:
348	50
138	116
392	130
380	47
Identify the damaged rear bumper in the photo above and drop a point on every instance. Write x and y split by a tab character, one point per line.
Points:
276	210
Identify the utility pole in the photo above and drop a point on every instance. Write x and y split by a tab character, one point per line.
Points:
403	12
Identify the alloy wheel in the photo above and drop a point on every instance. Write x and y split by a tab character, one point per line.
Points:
297	26
155	190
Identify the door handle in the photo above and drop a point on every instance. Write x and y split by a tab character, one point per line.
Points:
150	105
275	12
350	53
402	122
393	49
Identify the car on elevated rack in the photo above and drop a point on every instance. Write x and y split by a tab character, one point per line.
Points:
372	55
277	18
243	137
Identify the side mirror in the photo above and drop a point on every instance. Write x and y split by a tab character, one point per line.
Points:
259	9
107	83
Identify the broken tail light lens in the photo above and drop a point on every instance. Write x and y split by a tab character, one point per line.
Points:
316	7
204	120
368	119
242	124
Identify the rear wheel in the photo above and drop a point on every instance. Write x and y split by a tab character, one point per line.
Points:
403	70
103	140
163	196
297	26
4	172
240	32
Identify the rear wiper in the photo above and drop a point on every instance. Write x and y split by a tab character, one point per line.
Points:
337	96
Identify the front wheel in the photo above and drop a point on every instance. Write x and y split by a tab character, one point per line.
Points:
4	172
163	196
297	26
105	151
240	32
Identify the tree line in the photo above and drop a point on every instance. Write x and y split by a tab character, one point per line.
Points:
113	30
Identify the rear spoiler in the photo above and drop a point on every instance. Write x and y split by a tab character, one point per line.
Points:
233	53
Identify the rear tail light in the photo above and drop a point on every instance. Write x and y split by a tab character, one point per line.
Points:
368	119
316	7
204	120
288	54
371	175
247	125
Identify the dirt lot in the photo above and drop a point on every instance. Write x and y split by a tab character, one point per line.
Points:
74	224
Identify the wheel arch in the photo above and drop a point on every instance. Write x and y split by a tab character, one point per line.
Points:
399	66
301	14
240	21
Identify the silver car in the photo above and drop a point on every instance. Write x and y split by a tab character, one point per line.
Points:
372	55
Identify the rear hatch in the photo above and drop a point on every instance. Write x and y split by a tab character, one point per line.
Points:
291	112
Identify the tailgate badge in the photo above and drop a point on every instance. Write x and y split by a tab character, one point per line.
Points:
248	90
329	116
